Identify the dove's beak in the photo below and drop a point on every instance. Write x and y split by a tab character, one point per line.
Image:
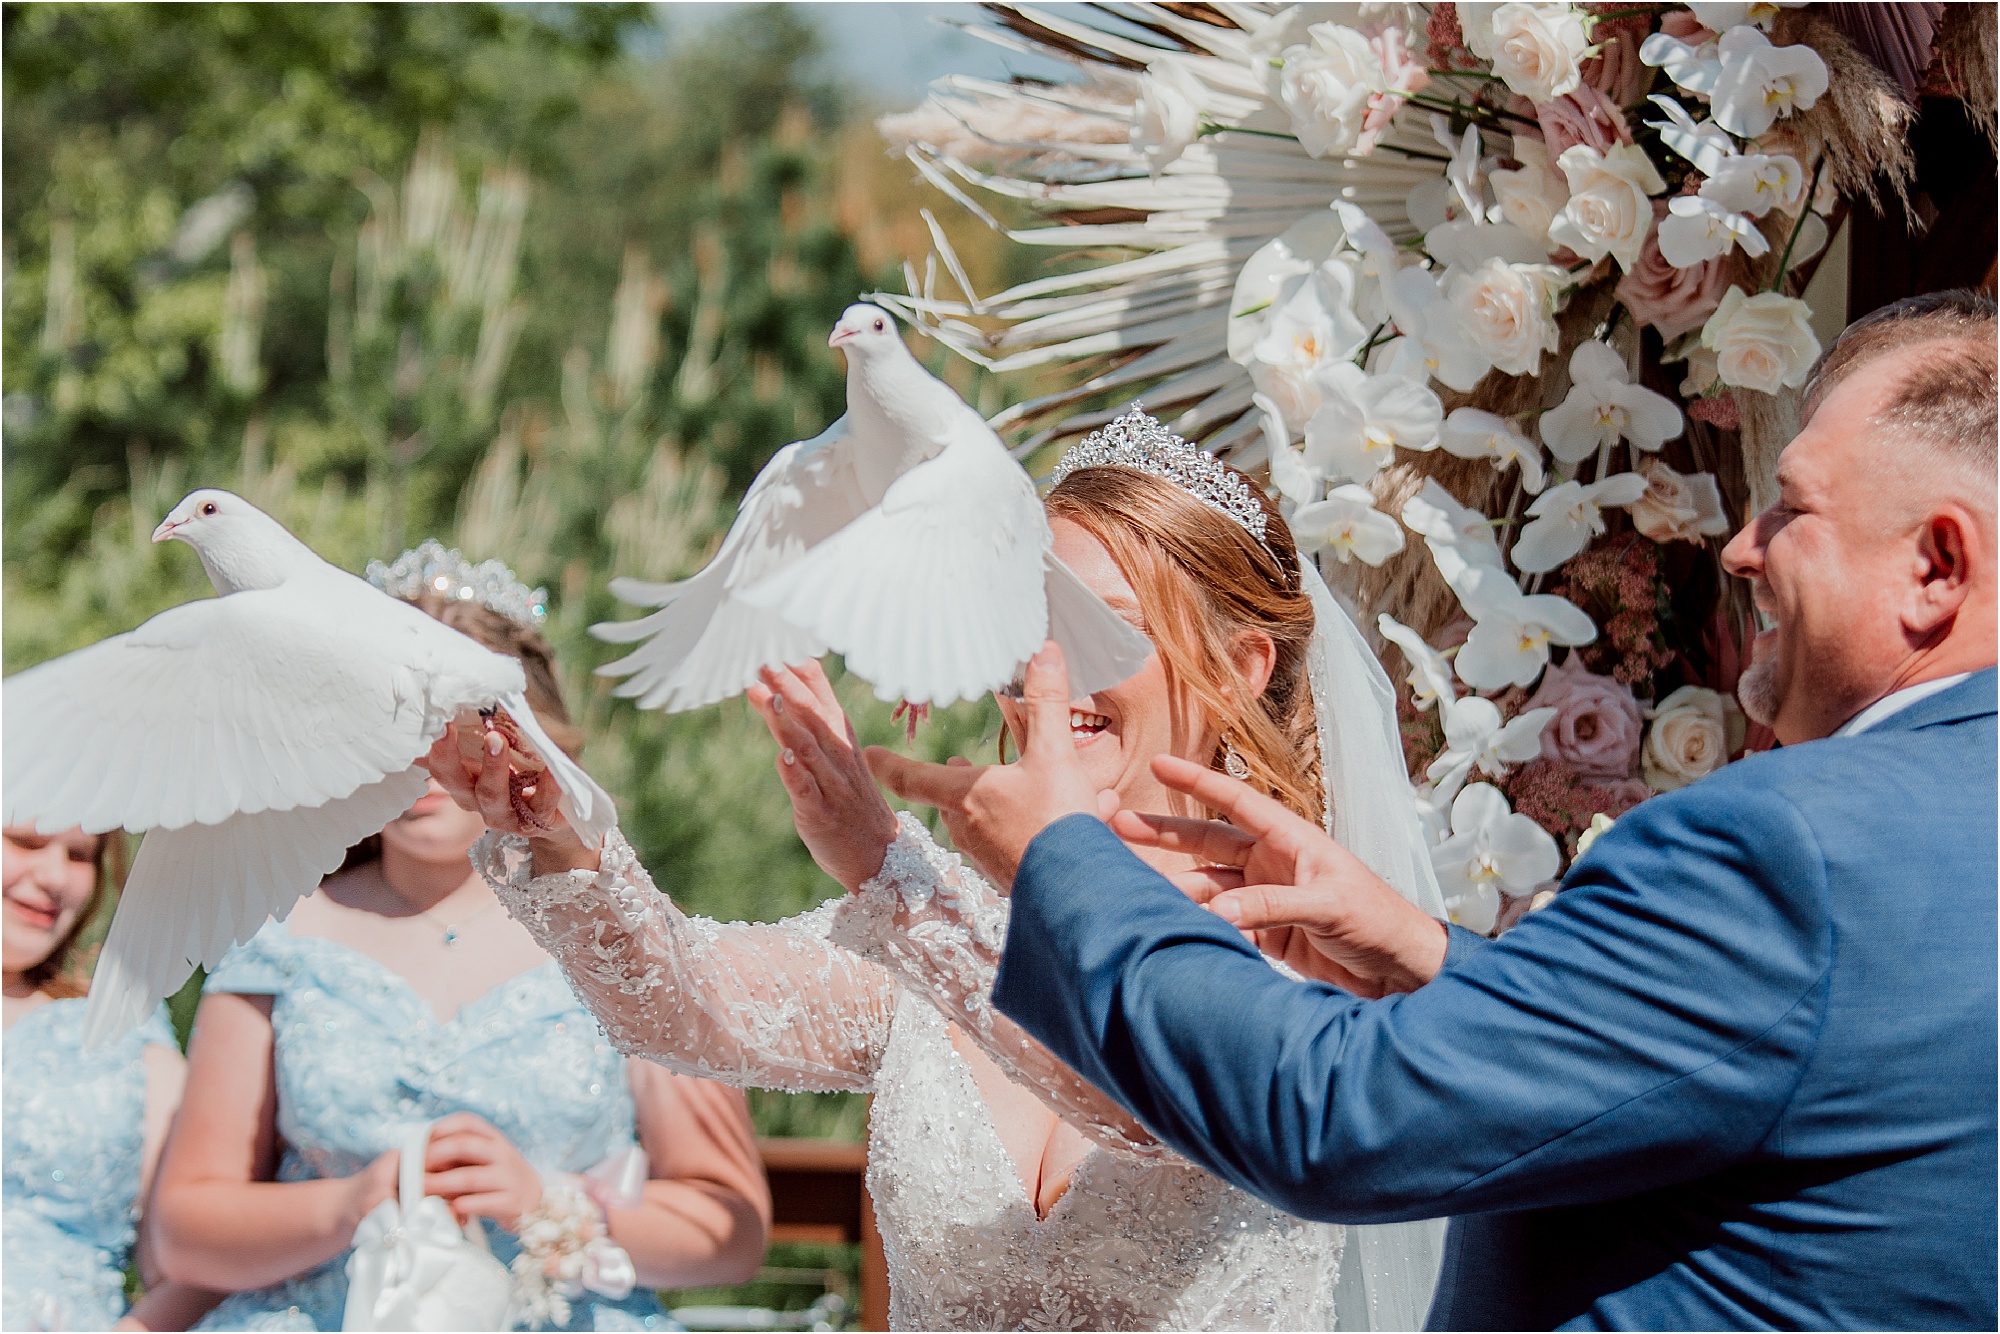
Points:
167	529
841	333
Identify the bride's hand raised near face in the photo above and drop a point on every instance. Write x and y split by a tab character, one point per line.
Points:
840	814
487	769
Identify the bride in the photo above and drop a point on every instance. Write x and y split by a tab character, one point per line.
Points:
1010	1194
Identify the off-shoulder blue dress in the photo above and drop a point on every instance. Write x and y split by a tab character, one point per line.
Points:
71	1142
359	1057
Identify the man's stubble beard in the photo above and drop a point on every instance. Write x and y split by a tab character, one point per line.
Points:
1757	691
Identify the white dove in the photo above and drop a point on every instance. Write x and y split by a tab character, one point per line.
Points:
256	735
903	537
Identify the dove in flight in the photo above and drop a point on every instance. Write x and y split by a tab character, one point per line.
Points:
253	737
903	537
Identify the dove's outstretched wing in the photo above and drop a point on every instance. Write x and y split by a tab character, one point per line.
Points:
262	700
197	890
936	594
706	643
1099	645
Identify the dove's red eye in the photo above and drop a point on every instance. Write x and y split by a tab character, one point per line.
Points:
879	326
208	507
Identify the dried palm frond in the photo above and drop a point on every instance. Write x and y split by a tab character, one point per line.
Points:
1146	262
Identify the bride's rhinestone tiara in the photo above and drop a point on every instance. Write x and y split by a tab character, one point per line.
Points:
434	567
1140	442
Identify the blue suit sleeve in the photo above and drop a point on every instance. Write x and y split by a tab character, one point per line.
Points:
1646	1028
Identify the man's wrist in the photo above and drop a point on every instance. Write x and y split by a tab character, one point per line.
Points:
1421	956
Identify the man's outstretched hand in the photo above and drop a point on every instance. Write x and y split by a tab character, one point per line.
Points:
1301	897
994	811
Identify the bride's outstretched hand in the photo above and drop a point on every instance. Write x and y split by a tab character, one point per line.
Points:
488	768
1301	897
840	814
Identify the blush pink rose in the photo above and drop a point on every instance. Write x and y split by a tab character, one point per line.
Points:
1585	116
1402	72
1672	300
1598	725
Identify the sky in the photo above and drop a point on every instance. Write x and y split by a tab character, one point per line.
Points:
893	50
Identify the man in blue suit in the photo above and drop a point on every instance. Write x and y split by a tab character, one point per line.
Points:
1741	1073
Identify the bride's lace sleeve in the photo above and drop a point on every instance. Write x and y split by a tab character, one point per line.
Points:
938	926
770	1005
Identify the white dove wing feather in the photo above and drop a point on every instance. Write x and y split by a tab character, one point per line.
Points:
256	701
935	595
706	643
1100	646
195	891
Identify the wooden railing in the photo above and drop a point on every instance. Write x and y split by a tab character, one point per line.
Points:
819	1194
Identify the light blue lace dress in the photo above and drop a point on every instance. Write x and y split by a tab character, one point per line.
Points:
360	1056
70	1148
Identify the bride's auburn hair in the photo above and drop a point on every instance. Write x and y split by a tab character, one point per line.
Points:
1203	581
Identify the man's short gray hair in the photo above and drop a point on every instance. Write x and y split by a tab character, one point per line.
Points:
1950	397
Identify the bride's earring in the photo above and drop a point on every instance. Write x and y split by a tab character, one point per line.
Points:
1233	764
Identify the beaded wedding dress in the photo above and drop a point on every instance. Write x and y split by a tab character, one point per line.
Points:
855	995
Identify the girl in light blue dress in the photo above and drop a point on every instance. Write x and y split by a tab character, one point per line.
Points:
79	1131
401	994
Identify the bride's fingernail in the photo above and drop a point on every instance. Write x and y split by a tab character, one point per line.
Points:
495	743
778	705
790	758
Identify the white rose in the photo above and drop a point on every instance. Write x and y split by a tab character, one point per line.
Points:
1609	212
1763	342
1531	197
1507	310
1678	507
1537	48
1325	85
1689	738
1166	117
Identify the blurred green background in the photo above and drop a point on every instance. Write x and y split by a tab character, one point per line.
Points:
548	282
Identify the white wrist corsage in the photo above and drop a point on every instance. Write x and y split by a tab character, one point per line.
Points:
565	1249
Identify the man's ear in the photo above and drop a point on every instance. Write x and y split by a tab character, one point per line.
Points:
1950	561
1256	657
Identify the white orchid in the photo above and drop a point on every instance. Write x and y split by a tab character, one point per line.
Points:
1312	326
1363	418
1566	517
1347	524
1697	229
1475	737
1166	115
1491	848
1512	630
1721	15
1755	183
1705	145
1435	344
1459	537
1695	68
1472	433
1296	482
1604	407
1760	82
1430	671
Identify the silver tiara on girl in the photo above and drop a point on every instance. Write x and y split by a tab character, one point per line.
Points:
1140	442
432	567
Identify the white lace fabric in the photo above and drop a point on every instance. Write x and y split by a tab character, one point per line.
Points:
859	995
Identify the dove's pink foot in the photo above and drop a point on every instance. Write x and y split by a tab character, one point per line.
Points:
911	714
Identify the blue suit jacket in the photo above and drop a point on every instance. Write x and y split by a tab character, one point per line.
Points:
1741	1073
